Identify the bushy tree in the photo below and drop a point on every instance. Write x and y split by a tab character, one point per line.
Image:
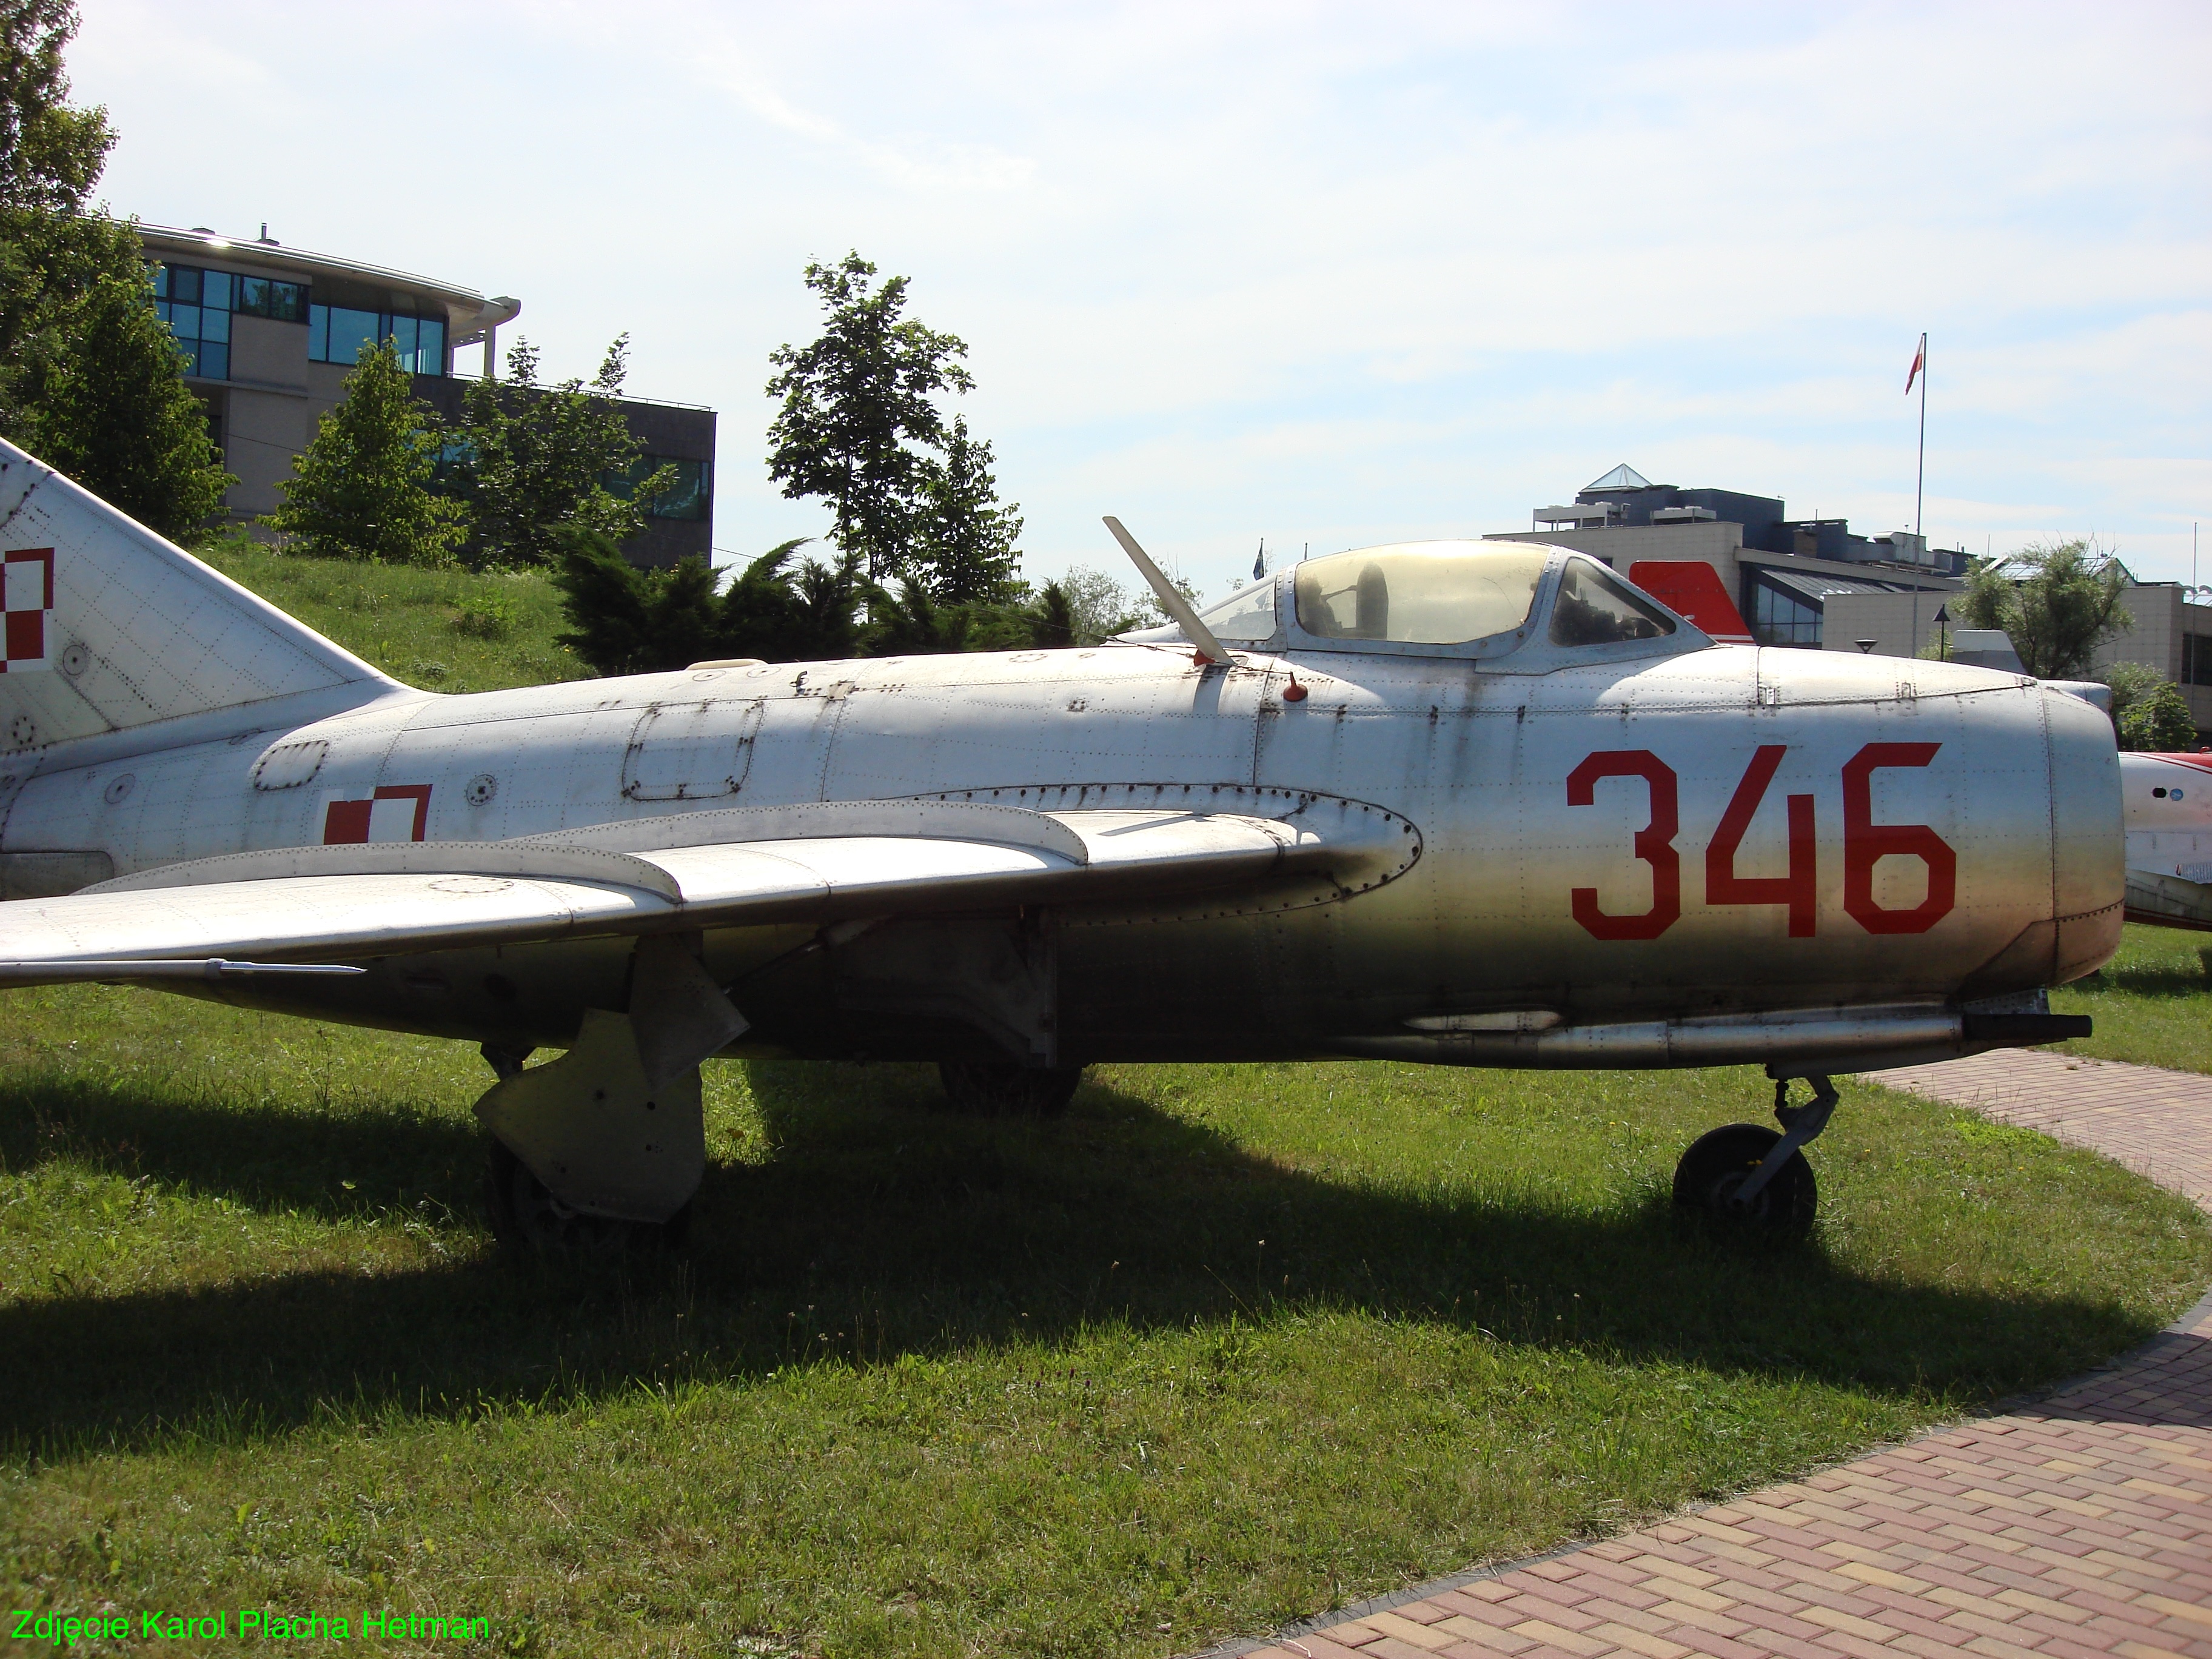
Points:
89	380
857	418
1052	621
1099	607
779	614
531	462
50	157
2057	600
628	620
965	539
858	428
2149	711
361	489
115	415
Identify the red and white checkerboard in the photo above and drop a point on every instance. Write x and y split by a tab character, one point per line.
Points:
26	591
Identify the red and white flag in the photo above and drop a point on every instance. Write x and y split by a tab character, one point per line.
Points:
1920	362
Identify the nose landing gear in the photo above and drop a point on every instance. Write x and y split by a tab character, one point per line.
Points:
1748	1176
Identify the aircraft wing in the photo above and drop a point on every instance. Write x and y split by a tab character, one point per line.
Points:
337	905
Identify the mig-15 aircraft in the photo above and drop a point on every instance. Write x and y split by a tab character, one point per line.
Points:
1464	803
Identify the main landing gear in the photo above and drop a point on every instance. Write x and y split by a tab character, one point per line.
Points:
1748	1176
605	1145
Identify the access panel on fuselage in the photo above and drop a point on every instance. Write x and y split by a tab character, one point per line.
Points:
1117	715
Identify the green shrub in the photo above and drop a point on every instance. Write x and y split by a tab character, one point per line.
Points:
486	615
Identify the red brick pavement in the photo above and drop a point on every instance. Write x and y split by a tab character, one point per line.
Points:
2075	1528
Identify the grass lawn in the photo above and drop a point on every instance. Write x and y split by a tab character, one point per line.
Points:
2152	1002
443	630
1228	1346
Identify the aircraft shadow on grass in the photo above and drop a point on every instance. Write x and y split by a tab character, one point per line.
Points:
880	1228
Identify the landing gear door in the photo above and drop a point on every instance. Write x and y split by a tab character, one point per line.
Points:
692	752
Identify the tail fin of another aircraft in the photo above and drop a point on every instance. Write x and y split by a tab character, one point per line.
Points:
108	627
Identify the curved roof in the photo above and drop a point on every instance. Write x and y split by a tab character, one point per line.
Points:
468	312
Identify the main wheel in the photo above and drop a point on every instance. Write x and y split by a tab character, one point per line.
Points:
993	1089
1718	1163
525	1216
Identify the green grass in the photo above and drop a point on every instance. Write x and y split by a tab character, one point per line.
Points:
443	630
1228	1346
2152	1002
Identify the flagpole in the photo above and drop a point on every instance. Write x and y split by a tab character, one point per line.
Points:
1920	477
1919	484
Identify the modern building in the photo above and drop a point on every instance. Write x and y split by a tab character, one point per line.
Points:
270	332
1782	574
1813	583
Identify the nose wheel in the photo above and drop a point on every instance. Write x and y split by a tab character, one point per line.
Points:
1750	1177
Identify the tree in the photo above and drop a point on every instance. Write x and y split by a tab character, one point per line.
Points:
115	415
780	615
89	380
1099	607
529	462
964	538
2057	600
857	428
361	489
50	157
2149	711
1052	622
628	620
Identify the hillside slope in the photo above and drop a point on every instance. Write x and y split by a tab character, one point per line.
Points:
444	630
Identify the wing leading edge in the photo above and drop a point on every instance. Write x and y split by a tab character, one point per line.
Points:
777	866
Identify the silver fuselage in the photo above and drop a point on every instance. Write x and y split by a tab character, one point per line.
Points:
1541	873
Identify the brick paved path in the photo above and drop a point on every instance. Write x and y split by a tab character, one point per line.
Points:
2081	1526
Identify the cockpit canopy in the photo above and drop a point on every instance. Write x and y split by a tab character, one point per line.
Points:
1486	600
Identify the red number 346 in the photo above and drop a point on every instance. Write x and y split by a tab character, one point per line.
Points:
1865	844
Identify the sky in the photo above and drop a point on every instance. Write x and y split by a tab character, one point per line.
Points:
1333	275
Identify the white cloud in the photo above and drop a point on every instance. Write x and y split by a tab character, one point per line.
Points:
1299	269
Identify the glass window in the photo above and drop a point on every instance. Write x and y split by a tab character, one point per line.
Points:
351	330
184	284
161	275
430	354
265	296
214	361
1248	614
689	496
1593	609
1445	594
215	324
400	331
185	321
216	289
1783	619
2197	659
